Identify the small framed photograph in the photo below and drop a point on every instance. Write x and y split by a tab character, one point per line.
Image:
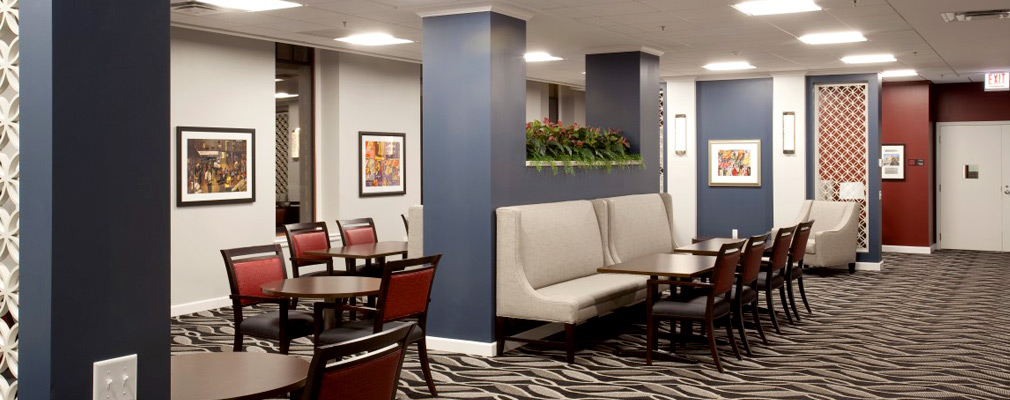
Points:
734	163
381	164
215	166
892	161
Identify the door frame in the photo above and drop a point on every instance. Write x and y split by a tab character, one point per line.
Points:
936	175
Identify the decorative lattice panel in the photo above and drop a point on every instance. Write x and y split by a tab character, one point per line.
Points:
841	134
9	208
283	140
662	121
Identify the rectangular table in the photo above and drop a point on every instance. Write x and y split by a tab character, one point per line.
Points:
708	247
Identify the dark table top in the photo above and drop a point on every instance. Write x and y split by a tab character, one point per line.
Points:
236	375
323	287
367	250
670	265
708	247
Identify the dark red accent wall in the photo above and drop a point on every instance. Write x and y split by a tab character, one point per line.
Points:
906	206
969	102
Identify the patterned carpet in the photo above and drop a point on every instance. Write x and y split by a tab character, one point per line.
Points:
927	327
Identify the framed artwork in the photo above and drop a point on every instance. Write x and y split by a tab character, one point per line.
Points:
381	164
892	161
215	166
734	163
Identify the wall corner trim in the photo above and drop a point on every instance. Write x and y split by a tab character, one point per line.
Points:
869	266
908	249
470	347
514	12
201	305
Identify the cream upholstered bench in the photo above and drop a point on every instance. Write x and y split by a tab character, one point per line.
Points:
548	254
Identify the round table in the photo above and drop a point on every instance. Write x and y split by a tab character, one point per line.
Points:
323	287
219	376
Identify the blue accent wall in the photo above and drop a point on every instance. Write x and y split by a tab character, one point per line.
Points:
873	188
735	109
95	194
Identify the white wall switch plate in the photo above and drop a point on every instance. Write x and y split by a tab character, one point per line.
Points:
116	378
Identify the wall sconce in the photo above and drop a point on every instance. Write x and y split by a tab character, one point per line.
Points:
296	143
680	134
789	132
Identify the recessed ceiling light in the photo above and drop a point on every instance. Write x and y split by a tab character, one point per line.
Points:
373	39
769	7
833	37
282	95
869	59
540	56
729	66
253	5
896	73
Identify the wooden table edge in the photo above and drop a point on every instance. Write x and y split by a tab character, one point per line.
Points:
265	394
320	296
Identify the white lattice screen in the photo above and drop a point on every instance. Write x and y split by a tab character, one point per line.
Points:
9	208
841	137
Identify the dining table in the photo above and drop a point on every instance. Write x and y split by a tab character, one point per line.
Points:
680	266
366	251
711	246
236	375
328	288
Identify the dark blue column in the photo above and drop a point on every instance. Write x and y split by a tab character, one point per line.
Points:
94	194
622	92
474	101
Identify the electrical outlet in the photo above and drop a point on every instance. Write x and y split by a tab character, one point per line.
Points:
116	379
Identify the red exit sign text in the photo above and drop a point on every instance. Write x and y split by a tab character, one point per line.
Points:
995	81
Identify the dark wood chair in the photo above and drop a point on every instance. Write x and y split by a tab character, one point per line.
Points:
367	368
795	267
249	268
404	294
406	223
772	274
706	302
359	231
744	292
308	236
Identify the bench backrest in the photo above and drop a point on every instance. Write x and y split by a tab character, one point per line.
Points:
639	225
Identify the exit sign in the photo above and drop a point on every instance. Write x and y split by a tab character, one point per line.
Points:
995	81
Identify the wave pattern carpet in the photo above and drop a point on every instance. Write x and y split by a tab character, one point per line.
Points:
926	327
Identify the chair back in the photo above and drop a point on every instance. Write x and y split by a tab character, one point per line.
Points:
725	267
357	231
406	289
780	249
251	267
307	236
799	245
751	258
406	223
371	372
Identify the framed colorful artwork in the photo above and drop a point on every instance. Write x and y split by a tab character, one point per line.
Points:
734	163
215	166
382	163
892	165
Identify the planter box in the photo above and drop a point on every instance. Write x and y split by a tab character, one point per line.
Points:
580	164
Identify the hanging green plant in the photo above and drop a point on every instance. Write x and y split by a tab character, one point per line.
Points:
555	145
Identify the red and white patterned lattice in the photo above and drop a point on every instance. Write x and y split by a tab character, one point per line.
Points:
841	135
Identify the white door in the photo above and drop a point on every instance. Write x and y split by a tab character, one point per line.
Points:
971	188
1006	188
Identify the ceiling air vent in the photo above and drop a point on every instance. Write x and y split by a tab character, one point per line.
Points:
196	8
968	16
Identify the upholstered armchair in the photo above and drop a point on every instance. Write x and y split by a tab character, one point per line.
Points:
834	239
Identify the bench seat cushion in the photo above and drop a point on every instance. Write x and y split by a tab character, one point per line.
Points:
596	294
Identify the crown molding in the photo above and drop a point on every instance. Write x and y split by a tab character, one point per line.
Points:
514	12
626	49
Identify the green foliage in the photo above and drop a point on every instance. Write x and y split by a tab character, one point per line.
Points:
549	143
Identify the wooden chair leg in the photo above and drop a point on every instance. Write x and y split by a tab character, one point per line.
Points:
803	295
422	352
570	343
738	317
757	321
785	304
852	268
673	336
237	346
731	338
285	345
711	345
771	310
499	333
792	299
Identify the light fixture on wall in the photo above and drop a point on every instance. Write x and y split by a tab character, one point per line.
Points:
296	143
789	132
680	134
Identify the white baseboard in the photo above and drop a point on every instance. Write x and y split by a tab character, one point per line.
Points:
461	346
908	249
202	305
869	266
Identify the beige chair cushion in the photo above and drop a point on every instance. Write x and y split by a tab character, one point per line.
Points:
559	242
639	225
